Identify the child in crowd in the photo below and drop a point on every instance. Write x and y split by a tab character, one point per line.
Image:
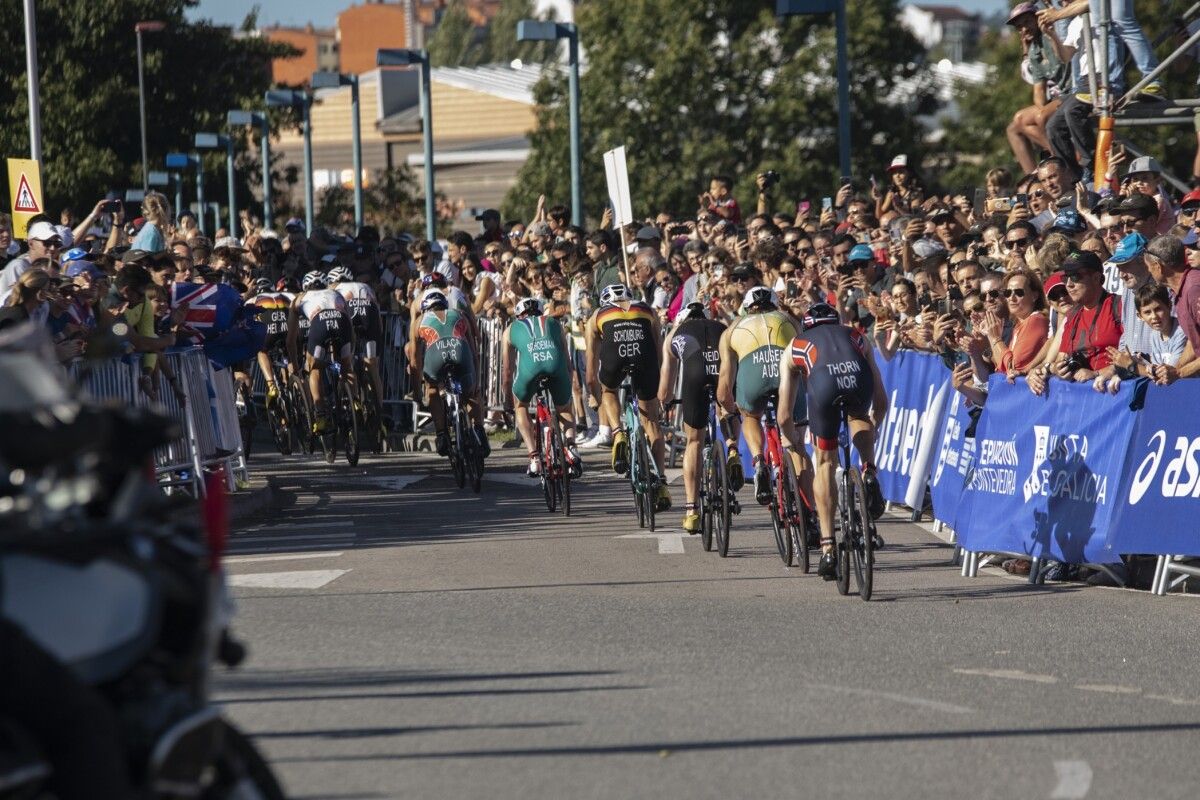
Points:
1154	308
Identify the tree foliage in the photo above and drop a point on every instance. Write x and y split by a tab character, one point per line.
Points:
453	43
456	42
697	87
194	73
976	141
392	202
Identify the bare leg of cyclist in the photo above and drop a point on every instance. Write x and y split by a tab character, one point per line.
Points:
264	365
566	422
321	414
862	434
437	412
651	412
731	427
752	430
692	477
525	428
610	414
825	494
372	365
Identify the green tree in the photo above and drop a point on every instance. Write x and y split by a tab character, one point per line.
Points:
975	141
500	45
697	87
454	42
194	73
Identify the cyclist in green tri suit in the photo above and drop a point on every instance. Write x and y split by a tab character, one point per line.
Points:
535	347
446	346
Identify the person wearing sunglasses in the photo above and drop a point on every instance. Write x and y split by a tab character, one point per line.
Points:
1025	306
1019	237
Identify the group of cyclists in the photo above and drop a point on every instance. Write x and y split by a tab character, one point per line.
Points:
812	372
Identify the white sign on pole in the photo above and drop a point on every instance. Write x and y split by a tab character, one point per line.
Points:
618	186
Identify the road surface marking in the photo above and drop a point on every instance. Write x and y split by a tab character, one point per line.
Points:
668	543
1175	701
299	537
393	482
287	548
289	557
289	526
1074	780
1108	688
1008	674
303	579
920	702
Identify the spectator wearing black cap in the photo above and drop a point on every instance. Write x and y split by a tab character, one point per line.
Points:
492	231
1090	330
1139	213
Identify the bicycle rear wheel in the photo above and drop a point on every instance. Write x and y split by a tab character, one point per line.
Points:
545	467
562	469
795	517
863	541
842	537
302	414
348	423
783	536
722	499
457	454
277	419
706	502
650	495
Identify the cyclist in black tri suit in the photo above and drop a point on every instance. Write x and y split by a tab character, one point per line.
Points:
691	352
837	368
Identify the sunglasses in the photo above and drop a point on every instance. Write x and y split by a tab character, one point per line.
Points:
1015	243
1057	295
901	295
1189	210
805	251
992	294
1038	193
1014	292
1074	277
974	309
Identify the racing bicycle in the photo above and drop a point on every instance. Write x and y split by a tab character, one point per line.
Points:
465	453
855	537
553	469
717	500
343	404
372	413
280	414
643	473
790	510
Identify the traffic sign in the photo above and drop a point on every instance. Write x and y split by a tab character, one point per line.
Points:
25	189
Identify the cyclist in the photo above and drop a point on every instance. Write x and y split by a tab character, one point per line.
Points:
330	334
838	368
273	305
456	299
692	352
750	350
622	337
447	344
365	317
538	346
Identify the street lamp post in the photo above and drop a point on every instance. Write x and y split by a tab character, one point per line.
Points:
255	118
148	26
31	80
302	102
215	141
402	58
329	80
532	30
787	8
180	161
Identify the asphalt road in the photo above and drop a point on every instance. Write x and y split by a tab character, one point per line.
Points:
409	639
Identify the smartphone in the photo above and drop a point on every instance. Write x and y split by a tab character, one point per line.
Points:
826	203
846	181
874	184
980	200
1021	199
793	289
1003	203
111	207
803	207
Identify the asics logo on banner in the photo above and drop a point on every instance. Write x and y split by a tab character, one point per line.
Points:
1180	478
1059	471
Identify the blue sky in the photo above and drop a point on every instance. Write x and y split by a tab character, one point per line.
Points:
323	12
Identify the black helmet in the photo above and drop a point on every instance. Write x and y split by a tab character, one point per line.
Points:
820	314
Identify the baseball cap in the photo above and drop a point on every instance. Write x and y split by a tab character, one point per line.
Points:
489	213
293	225
74	254
899	162
1190	241
861	252
228	243
1081	260
1144	164
1020	11
1129	248
1068	220
78	268
42	232
647	233
136	256
926	248
1054	281
1140	205
1191	199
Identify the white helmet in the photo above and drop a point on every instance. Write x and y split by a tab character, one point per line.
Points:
337	275
434	299
528	305
759	297
615	293
313	280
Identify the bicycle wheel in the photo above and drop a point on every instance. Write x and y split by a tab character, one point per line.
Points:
650	495
348	428
280	431
841	537
706	503
562	470
722	502
302	414
795	518
783	536
457	463
544	468
475	466
863	541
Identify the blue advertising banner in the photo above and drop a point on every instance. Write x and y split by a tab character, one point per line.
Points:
915	384
1047	472
1158	510
955	454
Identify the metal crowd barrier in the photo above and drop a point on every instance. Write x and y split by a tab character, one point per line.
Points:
206	413
491	360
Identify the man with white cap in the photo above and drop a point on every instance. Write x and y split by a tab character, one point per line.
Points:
44	242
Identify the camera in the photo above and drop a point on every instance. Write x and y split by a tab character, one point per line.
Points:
1077	360
770	178
111	207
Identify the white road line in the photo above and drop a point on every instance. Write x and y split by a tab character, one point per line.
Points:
288	557
1074	780
1007	674
1175	701
287	548
303	579
668	543
299	537
1108	688
295	526
920	702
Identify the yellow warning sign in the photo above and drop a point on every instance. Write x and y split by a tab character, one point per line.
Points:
25	189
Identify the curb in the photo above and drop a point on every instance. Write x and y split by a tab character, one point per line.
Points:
255	501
